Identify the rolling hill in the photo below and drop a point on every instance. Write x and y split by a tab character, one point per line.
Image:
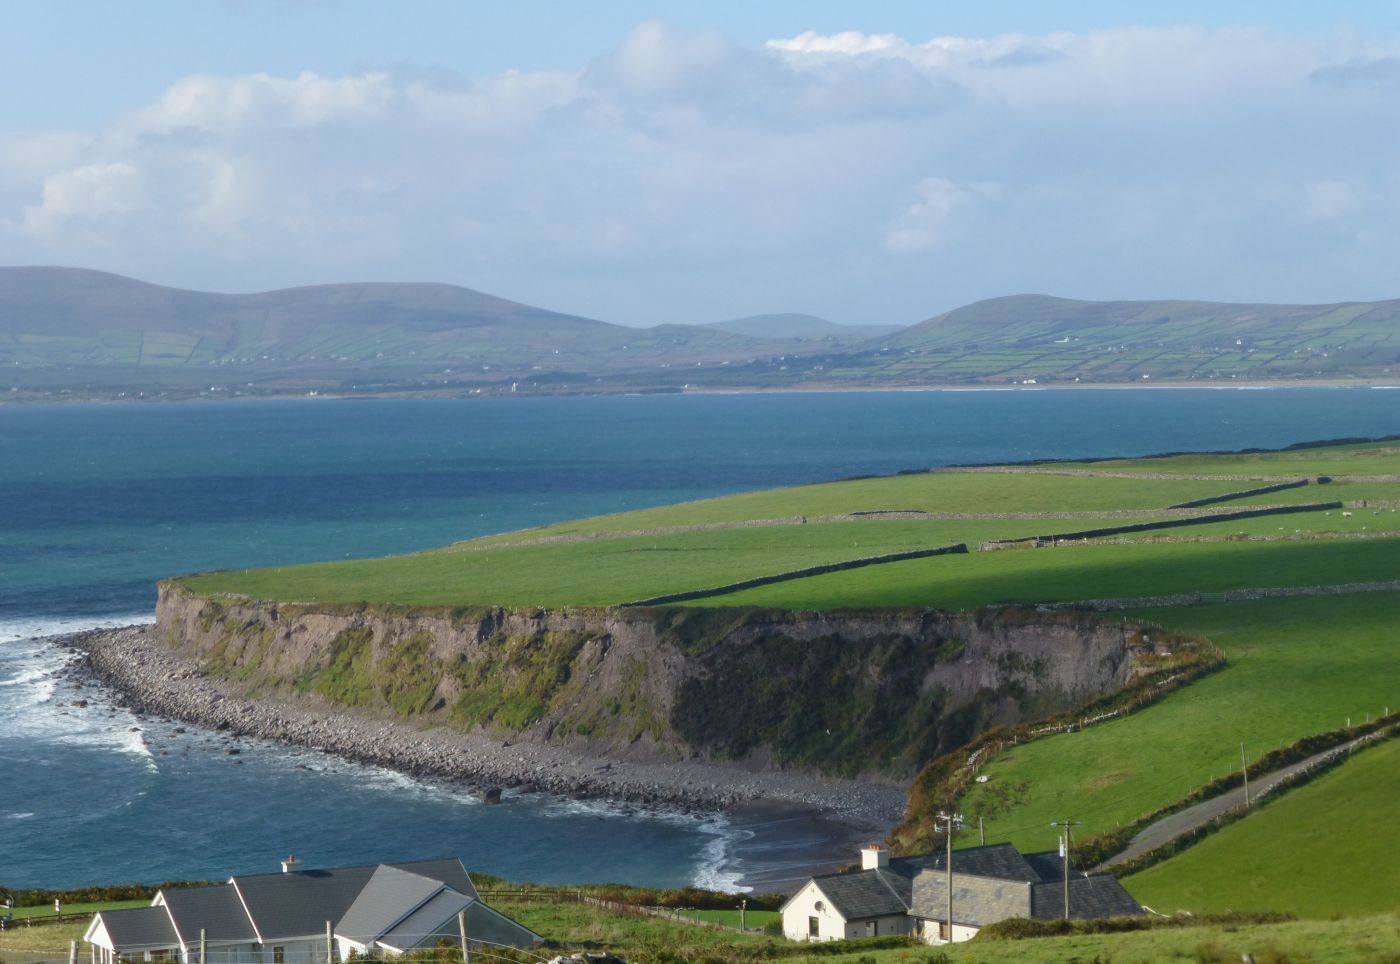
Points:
68	326
802	326
1059	339
71	332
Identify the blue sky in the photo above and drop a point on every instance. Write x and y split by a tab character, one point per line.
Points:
651	162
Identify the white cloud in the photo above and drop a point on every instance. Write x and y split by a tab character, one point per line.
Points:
804	174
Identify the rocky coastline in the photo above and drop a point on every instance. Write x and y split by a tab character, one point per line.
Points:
152	680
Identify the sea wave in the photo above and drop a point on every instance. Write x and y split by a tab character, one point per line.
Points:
38	626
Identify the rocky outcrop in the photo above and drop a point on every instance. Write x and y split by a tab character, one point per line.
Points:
873	693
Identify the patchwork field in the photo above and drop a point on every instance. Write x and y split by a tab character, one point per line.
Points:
1316	658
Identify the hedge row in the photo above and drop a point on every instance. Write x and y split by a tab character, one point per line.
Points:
1099	848
675	597
1019	928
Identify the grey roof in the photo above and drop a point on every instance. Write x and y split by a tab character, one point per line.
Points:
977	901
139	927
437	920
422	927
298	904
1049	865
866	893
1001	861
388	897
215	909
1089	898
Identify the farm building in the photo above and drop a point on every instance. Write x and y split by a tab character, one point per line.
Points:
909	895
303	916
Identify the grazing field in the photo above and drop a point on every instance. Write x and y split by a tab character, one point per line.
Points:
701	545
1340	828
1294	667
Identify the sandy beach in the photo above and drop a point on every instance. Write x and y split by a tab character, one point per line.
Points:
788	825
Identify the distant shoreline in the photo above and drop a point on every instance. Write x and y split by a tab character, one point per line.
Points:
786	826
467	395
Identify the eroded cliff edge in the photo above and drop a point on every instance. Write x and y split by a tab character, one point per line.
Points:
872	694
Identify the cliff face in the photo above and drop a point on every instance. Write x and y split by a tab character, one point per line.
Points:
840	693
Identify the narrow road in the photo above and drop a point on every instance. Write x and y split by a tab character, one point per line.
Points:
1183	821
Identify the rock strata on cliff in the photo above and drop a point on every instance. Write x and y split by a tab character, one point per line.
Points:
848	694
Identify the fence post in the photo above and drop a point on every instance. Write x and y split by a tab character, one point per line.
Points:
72	952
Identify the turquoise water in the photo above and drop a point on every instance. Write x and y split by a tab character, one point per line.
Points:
99	501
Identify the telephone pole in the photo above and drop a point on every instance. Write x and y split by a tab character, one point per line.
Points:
1064	853
949	822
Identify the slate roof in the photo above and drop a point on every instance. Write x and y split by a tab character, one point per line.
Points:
298	904
215	909
422	927
1001	861
866	893
1089	897
388	897
1049	865
977	901
139	927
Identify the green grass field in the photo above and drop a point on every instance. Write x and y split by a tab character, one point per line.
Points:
1294	667
1339	828
637	555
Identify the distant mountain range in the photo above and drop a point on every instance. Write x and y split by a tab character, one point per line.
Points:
802	326
71	332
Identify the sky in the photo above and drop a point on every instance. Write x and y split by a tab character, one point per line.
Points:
653	162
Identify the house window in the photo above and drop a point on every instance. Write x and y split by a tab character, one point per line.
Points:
814	927
943	934
279	954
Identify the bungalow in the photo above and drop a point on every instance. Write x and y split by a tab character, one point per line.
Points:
305	917
909	895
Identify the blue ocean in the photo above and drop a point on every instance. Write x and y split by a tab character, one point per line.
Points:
97	502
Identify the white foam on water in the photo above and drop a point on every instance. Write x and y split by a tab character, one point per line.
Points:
36	627
19	816
31	674
717	870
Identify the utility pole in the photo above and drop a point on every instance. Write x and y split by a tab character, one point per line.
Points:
1244	768
949	821
462	929
1064	853
981	831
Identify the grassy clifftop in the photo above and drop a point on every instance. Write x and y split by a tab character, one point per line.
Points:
639	555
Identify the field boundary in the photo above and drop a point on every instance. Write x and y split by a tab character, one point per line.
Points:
1163	524
957	549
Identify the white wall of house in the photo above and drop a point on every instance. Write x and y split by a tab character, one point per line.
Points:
810	904
928	931
877	927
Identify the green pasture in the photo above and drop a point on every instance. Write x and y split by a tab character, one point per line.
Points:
594	573
40	911
1367	458
1074	572
967	492
1316	851
1294	667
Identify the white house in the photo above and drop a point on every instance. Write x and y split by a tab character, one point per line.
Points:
305	917
909	895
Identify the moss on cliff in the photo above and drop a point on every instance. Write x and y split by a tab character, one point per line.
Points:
515	680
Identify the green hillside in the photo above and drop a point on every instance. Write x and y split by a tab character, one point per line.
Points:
1337	827
69	332
72	327
1058	340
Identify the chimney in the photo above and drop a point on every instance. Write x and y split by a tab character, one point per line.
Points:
874	857
290	864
